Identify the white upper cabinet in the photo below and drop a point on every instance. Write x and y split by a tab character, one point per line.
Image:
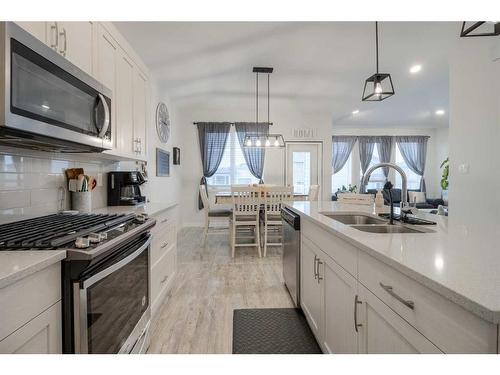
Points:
140	113
124	101
75	43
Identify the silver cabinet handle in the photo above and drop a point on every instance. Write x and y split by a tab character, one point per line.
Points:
65	45
164	245
315	272
319	276
408	303
54	30
356	303
164	279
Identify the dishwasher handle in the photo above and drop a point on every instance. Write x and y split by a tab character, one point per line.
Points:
291	218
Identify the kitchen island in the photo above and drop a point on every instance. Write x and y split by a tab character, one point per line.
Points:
426	291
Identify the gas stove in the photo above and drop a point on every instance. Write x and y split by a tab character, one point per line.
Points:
105	276
84	236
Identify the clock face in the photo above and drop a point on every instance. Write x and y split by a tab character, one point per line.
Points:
162	122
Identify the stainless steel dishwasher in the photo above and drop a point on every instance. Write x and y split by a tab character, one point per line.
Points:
291	253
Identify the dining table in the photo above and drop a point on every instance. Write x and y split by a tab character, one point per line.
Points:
225	197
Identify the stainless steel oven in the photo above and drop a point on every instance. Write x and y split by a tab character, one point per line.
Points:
46	102
111	301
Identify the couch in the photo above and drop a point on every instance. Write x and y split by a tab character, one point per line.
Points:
396	199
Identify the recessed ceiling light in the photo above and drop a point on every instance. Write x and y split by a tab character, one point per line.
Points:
415	69
440	112
355	112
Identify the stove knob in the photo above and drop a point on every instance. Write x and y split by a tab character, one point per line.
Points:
82	243
141	218
103	236
94	238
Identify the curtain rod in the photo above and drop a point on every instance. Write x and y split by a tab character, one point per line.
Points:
233	123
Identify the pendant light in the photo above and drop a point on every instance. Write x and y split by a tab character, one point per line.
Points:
269	140
378	86
493	30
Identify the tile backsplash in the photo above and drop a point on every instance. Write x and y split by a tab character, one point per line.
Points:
36	184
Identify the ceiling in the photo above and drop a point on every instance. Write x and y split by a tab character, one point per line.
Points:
319	67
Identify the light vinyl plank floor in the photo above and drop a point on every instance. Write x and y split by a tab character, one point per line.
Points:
197	315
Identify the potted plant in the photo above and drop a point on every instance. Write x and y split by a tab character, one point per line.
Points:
445	165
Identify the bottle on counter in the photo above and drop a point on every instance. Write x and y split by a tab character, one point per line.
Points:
379	199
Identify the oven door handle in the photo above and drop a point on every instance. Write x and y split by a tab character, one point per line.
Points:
101	275
106	120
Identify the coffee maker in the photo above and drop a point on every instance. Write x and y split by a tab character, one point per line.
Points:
124	190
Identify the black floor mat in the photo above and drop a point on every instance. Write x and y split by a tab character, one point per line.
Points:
272	331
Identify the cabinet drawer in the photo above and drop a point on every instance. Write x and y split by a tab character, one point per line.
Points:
28	297
339	250
162	271
447	325
163	239
41	335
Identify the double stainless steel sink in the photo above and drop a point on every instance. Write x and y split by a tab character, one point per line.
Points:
372	224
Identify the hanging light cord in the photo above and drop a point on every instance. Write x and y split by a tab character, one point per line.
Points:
268	98
376	41
257	98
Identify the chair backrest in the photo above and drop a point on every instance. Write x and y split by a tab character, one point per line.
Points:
246	200
274	198
204	197
313	192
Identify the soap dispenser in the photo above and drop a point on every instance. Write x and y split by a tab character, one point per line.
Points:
379	199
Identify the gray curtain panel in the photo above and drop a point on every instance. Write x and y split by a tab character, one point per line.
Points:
254	156
414	151
212	137
341	148
384	147
366	145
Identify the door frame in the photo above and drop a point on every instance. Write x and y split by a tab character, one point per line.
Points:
320	161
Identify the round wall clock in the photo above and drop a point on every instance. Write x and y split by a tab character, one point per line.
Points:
162	122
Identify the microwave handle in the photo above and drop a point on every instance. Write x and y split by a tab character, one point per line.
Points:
105	122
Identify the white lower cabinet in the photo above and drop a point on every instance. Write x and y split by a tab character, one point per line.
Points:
41	335
339	290
311	288
373	308
380	330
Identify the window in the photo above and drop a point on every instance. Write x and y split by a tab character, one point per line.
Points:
377	178
413	178
233	169
301	172
342	177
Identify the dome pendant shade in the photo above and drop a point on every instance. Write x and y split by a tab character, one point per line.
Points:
480	28
378	86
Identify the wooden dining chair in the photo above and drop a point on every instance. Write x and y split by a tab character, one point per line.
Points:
212	214
272	227
313	193
245	217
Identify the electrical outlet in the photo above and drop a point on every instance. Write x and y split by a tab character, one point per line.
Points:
99	179
463	168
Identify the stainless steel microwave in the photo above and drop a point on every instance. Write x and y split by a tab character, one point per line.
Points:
46	102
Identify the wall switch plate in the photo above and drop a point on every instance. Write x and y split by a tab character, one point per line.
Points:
99	179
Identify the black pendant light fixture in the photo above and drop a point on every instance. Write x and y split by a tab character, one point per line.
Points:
378	86
267	140
475	29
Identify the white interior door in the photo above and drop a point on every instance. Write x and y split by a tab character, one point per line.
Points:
303	166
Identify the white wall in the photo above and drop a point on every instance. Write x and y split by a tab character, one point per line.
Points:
284	118
474	193
437	146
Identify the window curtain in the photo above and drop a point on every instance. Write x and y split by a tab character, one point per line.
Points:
414	151
366	145
254	156
341	148
212	138
384	147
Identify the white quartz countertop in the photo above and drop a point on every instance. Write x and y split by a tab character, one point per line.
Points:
150	208
16	265
460	264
